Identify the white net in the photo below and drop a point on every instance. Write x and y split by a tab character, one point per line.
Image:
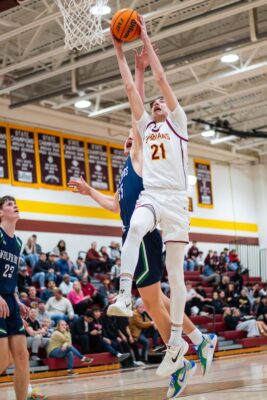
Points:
82	22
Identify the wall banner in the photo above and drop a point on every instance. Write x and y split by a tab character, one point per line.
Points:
4	172
74	159
117	163
204	183
98	166
49	147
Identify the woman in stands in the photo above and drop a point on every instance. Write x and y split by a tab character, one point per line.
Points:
60	346
79	301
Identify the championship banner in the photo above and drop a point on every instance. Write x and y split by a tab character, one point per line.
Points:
204	183
4	172
117	163
49	147
23	156
74	159
98	166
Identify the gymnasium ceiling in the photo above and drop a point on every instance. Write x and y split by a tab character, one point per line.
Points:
191	35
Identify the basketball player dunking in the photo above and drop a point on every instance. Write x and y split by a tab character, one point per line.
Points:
149	271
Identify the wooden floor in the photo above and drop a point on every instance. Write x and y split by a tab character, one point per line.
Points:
242	377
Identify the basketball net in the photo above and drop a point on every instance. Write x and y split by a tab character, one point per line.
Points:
82	23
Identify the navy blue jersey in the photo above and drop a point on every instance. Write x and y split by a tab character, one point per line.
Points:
129	188
9	259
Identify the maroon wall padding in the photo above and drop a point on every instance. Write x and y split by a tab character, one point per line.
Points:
7	4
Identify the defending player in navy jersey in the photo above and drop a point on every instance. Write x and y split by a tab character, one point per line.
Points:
12	333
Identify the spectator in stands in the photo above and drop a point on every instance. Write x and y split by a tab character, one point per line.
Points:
48	292
222	297
66	285
79	301
65	265
138	323
237	278
210	274
30	254
41	271
243	303
79	269
33	300
262	324
104	290
23	297
225	280
231	295
223	262
91	292
80	331
47	325
217	303
104	255
35	335
194	301
234	260
42	313
234	321
60	308
100	343
114	251
115	273
191	260
263	291
53	266
200	261
60	346
262	307
60	248
93	260
24	280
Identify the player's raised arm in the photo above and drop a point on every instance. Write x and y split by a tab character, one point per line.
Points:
157	69
108	202
134	98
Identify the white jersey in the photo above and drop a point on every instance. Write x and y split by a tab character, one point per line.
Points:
165	156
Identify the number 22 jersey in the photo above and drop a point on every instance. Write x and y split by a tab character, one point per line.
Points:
165	151
10	248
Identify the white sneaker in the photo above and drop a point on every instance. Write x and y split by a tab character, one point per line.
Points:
122	306
206	351
173	359
180	379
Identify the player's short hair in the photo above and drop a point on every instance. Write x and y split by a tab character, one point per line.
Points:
4	199
153	101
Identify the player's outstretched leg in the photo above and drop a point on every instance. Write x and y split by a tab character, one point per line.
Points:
181	378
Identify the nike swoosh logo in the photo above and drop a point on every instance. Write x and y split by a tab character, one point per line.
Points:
175	358
128	305
183	377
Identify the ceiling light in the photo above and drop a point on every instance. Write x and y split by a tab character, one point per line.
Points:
82	104
100	10
223	139
208	133
229	58
192	180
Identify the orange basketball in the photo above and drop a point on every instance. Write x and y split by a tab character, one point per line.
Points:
124	26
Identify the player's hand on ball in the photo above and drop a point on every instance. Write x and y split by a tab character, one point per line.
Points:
24	310
142	25
116	43
4	310
80	186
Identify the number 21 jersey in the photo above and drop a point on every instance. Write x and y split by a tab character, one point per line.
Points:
165	151
10	248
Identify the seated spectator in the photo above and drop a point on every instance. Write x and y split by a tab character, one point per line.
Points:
237	278
80	331
104	290
194	301
263	291
79	270
262	307
225	280
115	273
210	274
234	321
222	297
138	324
66	285
53	267
104	255
41	271
59	248
30	251
48	292
35	335
79	301
65	265
234	260
192	255
217	303
89	290
59	307
200	261
100	343
23	297
114	251
42	313
94	261
33	300
47	326
223	262
232	295
24	280
60	346
262	324
243	303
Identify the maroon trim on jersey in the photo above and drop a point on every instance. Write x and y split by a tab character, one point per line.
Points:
174	131
151	122
182	151
176	241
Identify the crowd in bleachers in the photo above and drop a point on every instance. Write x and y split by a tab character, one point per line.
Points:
67	301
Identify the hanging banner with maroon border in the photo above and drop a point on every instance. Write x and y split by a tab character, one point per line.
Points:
117	163
49	147
204	183
4	172
98	166
74	158
23	156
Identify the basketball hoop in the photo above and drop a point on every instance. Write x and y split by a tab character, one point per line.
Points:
82	22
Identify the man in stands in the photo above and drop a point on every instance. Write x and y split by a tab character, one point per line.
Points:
59	308
24	280
33	300
49	292
93	260
80	331
35	333
192	255
66	285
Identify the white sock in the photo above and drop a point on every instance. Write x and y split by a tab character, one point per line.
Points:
196	337
126	285
176	335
